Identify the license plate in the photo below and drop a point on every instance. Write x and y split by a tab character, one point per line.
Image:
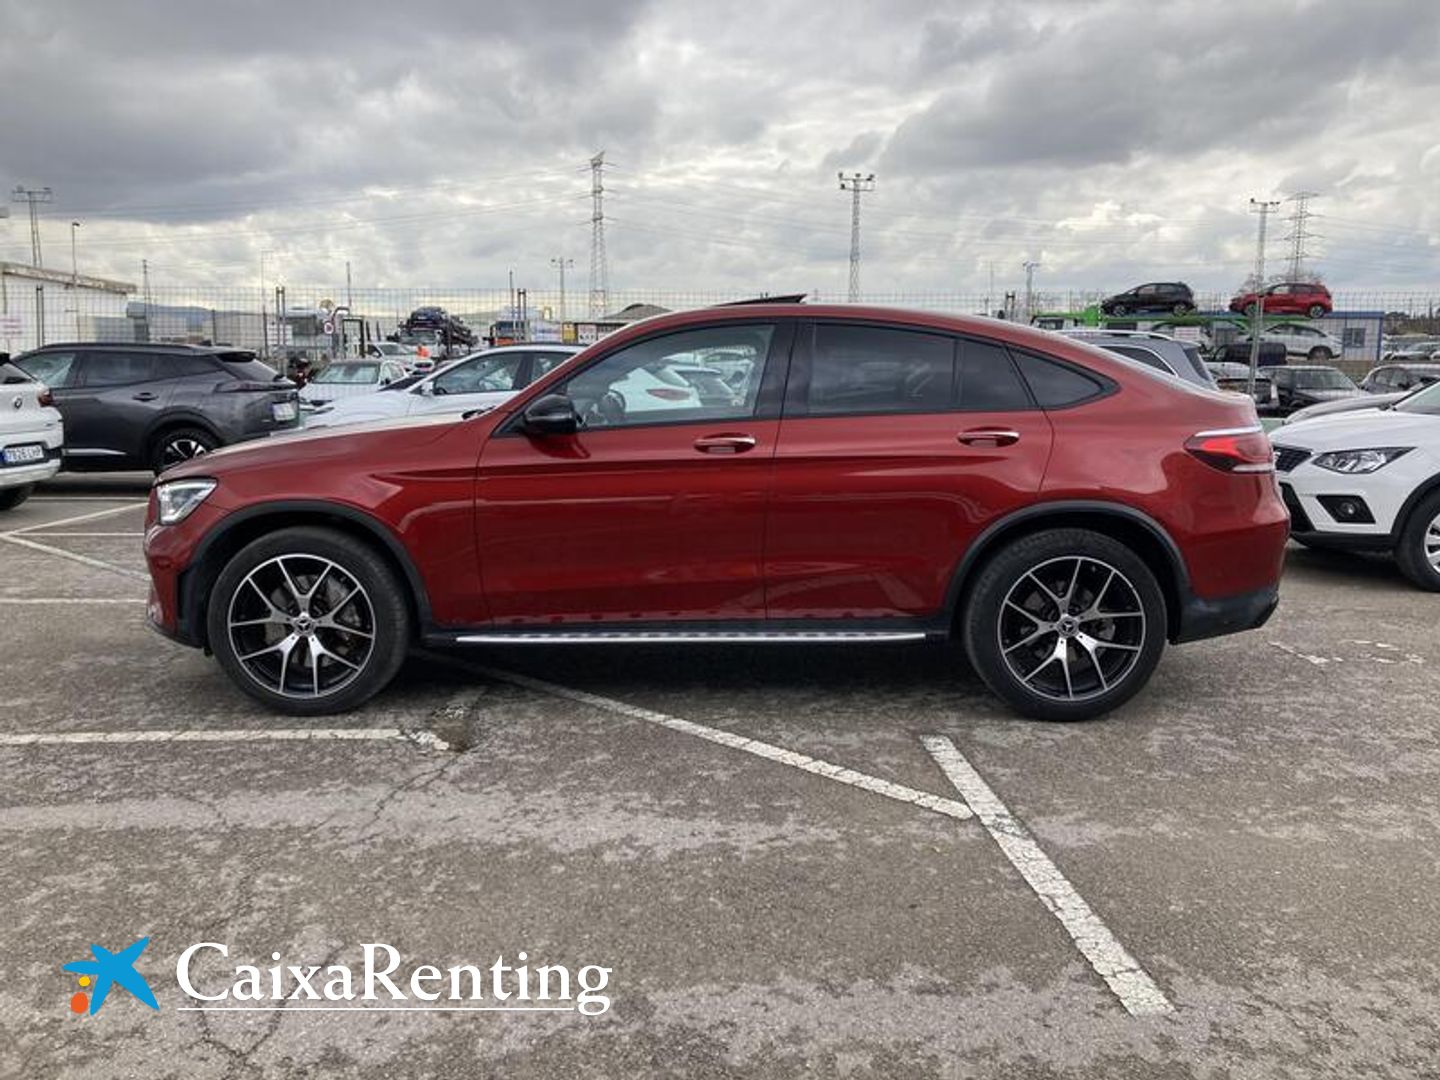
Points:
283	411
20	455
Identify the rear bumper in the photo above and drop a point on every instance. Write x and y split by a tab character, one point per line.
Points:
1202	618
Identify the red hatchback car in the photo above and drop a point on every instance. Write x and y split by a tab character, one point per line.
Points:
1287	298
869	475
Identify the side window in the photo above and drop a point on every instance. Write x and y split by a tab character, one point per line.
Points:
56	370
1055	385
673	379
867	369
118	368
485	374
547	362
988	380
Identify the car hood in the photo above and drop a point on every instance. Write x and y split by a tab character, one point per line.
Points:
1342	405
1329	395
296	447
1363	428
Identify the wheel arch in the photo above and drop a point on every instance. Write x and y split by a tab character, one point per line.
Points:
236	530
1134	528
1422	491
167	422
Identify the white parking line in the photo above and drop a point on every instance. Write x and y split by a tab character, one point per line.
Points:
90	738
828	770
45	531
84	560
1121	971
39	601
47	525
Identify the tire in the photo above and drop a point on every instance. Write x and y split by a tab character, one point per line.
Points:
1183	308
180	444
309	585
1118	309
10	498
1251	309
1320	354
1418	549
1004	644
1315	311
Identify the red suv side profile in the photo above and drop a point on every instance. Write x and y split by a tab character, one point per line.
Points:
1287	298
864	475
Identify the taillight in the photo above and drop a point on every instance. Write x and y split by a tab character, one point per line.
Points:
1236	450
665	393
44	397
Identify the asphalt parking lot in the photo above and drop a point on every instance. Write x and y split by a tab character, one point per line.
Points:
809	860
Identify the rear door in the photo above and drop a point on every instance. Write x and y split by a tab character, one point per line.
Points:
118	397
897	447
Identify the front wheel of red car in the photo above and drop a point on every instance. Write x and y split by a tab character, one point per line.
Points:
1316	310
309	621
1065	624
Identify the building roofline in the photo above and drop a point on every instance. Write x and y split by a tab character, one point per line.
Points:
59	277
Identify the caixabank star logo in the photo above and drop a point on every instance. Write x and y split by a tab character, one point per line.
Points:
106	970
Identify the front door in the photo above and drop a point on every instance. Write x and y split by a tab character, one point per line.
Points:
654	511
897	448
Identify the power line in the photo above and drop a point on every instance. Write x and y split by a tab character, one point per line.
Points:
599	262
856	184
33	196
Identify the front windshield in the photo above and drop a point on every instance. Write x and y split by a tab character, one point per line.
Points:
1323	380
349	374
1425	402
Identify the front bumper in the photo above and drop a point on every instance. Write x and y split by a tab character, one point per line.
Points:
1312	495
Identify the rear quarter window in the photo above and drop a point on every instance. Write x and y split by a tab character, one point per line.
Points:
1055	385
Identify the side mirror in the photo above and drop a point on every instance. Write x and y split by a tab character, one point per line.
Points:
551	414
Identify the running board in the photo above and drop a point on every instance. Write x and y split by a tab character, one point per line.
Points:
691	637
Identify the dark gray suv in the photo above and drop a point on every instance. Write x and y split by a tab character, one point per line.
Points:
151	406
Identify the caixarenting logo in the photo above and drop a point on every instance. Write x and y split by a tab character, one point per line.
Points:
210	982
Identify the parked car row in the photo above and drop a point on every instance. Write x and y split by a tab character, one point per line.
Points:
1177	298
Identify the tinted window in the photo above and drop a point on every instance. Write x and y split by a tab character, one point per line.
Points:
180	366
988	380
1056	385
865	369
1145	356
118	368
54	369
645	383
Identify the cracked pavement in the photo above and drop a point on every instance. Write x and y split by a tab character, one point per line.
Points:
1260	830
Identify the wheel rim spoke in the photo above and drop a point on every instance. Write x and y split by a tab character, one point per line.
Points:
1095	639
301	653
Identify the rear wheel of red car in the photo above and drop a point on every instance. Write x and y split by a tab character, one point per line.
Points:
309	621
1418	551
1316	310
1065	624
1251	309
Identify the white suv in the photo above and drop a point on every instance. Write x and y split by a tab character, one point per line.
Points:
1368	481
1301	340
31	434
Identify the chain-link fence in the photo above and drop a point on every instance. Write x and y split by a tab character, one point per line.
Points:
316	321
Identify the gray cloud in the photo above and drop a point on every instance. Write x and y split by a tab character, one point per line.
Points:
445	142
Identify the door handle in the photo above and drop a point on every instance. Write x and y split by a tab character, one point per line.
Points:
989	437
144	395
725	444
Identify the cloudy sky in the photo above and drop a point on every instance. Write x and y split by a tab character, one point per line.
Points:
445	143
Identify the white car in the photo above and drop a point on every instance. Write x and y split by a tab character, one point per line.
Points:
31	436
1368	481
1300	340
349	378
481	380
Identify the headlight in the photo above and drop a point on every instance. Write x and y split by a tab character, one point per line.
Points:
179	497
1352	462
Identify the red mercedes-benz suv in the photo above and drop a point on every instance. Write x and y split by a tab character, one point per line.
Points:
780	473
